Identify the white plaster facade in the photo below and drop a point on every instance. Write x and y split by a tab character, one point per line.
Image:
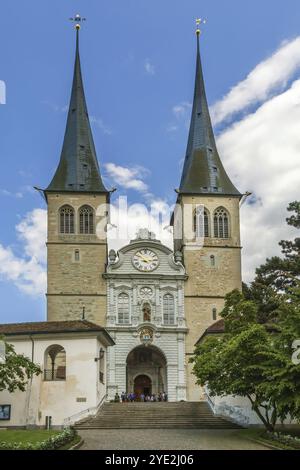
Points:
146	288
61	399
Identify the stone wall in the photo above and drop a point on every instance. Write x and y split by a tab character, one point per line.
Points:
208	284
73	284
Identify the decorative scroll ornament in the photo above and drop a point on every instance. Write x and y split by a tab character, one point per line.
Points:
146	336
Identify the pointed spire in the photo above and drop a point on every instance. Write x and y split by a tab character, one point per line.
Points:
203	172
78	169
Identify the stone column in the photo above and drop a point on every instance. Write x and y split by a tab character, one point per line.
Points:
181	386
111	373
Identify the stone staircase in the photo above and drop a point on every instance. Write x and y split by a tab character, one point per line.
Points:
159	415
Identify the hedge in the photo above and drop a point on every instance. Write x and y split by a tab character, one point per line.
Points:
53	443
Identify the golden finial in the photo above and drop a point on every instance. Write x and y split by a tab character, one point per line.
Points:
77	20
199	21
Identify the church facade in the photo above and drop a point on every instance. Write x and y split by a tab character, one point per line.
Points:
146	319
154	303
144	288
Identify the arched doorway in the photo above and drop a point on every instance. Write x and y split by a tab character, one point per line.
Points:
142	384
146	368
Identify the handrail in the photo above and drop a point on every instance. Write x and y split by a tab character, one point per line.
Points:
84	413
209	400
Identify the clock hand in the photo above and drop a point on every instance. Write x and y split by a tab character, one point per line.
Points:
147	260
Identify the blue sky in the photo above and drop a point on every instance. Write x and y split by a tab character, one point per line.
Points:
138	61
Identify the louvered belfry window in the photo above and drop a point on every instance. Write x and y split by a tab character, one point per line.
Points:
221	223
201	223
86	220
66	220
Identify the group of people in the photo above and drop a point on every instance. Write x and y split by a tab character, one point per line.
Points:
131	397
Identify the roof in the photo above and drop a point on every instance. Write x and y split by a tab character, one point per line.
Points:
78	169
52	327
216	328
219	327
203	171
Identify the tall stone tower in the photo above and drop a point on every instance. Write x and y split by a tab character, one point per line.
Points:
208	202
76	199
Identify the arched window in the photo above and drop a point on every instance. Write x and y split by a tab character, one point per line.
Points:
66	219
201	222
221	223
168	306
55	363
212	261
123	308
86	220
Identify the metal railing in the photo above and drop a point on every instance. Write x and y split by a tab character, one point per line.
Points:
84	413
56	374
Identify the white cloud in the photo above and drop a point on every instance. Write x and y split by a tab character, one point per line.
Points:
129	178
126	221
181	113
55	107
261	153
266	78
17	194
149	67
101	125
28	271
172	128
2	92
182	110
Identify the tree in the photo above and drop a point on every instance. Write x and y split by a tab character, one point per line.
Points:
16	371
282	274
237	362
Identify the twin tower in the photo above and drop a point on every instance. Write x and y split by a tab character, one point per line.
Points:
77	257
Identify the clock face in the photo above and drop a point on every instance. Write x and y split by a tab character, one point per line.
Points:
145	260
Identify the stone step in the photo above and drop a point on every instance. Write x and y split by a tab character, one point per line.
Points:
161	426
157	415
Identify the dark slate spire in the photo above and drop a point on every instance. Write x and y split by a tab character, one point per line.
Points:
203	172
78	169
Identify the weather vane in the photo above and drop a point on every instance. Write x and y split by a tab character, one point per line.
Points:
77	20
199	21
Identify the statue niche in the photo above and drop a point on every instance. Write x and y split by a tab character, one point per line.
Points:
146	312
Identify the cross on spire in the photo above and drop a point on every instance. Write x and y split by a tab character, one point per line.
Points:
199	21
77	20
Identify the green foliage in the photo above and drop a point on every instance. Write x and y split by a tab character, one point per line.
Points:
253	358
16	371
282	274
52	443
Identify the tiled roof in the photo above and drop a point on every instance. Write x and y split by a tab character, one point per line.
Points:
216	328
75	326
219	327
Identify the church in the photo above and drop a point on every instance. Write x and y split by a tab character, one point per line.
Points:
126	321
